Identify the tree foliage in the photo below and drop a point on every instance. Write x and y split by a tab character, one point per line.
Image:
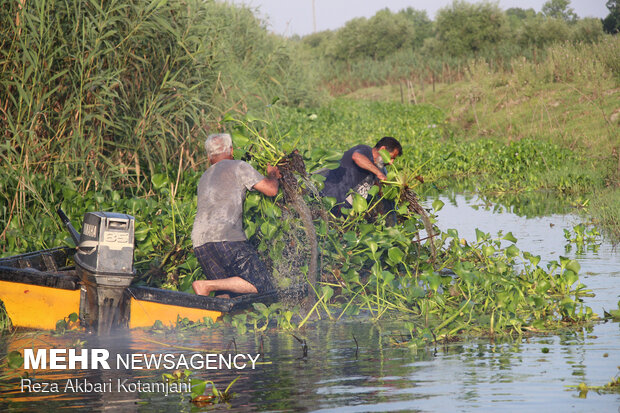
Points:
588	30
377	37
559	9
460	31
611	23
422	25
465	28
540	32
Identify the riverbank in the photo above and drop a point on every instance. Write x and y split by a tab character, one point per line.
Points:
570	100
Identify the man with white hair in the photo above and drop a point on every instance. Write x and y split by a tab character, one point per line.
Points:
227	259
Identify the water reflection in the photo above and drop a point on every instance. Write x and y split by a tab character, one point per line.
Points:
530	204
469	375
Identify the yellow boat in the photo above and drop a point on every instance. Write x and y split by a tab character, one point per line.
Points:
94	280
38	289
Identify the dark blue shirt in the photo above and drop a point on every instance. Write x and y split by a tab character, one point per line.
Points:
348	175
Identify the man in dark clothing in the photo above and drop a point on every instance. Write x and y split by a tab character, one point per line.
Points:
360	168
220	244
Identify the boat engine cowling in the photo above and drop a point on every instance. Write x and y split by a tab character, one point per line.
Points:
104	263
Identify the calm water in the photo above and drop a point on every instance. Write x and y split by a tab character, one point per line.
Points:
338	375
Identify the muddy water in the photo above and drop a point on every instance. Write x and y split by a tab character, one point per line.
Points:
341	375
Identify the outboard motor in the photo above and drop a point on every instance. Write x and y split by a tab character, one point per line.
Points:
104	263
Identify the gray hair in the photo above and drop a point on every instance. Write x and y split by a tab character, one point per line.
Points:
218	143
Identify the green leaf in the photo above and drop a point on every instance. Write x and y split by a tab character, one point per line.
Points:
417	292
252	200
350	237
434	281
260	307
73	317
268	229
437	205
359	204
159	180
365	229
388	277
272	211
374	190
574	266
333	156
61	325
329	202
328	292
239	140
141	232
488	250
251	118
570	277
480	236
512	251
534	259
453	233
510	237
15	360
250	229
543	286
395	254
198	387
385	155
372	245
289	314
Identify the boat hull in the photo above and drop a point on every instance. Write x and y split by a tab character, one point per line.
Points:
34	306
41	288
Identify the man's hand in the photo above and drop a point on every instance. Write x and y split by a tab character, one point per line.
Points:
381	176
273	172
269	185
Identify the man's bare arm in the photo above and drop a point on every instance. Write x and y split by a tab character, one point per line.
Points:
363	162
269	185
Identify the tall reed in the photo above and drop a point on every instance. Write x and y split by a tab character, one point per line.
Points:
102	96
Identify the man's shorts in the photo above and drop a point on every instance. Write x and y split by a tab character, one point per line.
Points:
234	258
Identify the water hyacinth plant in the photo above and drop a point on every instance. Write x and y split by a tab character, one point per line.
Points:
442	286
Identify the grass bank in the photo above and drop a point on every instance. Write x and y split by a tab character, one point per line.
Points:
570	99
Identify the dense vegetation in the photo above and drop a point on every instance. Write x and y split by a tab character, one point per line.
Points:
407	45
366	267
102	96
105	107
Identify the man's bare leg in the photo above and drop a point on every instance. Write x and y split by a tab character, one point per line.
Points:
232	284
